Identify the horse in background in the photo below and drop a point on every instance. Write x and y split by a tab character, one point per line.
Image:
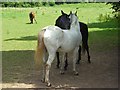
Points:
53	39
63	22
32	17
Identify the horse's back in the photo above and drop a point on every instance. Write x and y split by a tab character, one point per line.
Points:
70	40
53	36
52	28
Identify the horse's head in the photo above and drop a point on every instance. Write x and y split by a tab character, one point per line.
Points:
73	17
63	21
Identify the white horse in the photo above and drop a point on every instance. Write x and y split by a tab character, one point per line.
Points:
52	39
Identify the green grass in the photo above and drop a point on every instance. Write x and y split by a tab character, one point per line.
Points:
17	35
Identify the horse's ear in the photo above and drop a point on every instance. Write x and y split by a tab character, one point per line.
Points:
70	12
62	12
76	13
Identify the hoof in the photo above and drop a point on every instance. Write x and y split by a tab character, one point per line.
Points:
57	66
76	73
62	72
43	80
78	62
89	61
49	84
65	68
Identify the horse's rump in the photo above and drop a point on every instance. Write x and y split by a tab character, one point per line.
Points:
53	37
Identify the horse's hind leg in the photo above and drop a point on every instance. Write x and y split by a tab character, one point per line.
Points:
48	66
79	55
45	56
62	62
87	49
85	45
44	68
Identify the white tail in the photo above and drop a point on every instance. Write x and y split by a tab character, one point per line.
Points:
39	50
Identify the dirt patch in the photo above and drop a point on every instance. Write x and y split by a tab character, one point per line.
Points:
101	73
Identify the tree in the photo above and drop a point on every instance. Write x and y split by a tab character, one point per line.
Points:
116	12
115	7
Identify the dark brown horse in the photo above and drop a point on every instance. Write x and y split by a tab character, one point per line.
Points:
32	16
63	22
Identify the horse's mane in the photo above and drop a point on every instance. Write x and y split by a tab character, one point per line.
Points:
56	23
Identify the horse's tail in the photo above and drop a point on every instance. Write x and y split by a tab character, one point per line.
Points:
84	38
39	50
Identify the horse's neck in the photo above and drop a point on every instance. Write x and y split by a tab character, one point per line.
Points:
75	26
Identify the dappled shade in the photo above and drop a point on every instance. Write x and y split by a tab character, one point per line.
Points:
26	38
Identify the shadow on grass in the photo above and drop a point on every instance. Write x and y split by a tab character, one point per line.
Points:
18	69
104	39
17	66
27	38
28	23
109	24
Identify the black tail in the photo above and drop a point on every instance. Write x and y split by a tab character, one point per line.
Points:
84	32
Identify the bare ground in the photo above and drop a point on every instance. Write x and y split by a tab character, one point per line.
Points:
101	73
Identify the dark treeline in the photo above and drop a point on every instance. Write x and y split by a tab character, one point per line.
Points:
32	4
115	5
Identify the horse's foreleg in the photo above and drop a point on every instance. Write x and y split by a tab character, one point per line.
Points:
62	63
75	52
31	20
66	62
48	66
58	60
79	55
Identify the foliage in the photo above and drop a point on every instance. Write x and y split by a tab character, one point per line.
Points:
36	4
104	18
116	10
27	4
51	3
115	6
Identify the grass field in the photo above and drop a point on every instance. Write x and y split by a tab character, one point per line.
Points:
17	35
19	38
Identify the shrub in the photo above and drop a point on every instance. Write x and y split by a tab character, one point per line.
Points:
104	18
52	3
